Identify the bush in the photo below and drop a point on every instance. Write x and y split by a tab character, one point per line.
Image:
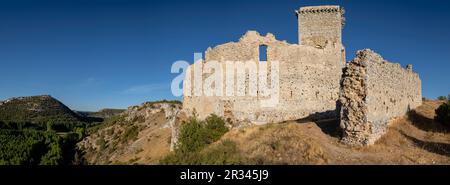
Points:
443	114
215	127
442	98
194	136
30	147
93	128
101	143
130	133
81	132
138	119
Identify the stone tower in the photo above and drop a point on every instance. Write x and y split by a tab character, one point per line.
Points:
320	25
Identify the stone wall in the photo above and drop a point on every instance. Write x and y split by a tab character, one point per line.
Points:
374	91
367	95
308	80
309	73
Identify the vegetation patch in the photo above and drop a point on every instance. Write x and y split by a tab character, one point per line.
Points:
31	147
194	138
131	133
443	114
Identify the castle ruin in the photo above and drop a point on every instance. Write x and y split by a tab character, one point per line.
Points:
314	80
374	91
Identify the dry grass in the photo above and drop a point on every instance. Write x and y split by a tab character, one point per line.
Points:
412	139
318	142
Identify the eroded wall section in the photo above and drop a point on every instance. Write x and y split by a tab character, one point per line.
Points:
309	80
374	91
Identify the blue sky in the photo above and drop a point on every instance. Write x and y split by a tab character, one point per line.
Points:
94	54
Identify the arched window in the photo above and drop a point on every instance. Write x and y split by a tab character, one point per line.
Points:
262	53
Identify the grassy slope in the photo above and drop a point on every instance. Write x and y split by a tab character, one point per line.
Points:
406	142
413	139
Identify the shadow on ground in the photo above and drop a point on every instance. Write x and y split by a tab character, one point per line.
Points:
434	147
329	126
425	123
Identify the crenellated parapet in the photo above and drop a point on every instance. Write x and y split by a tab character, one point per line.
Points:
321	9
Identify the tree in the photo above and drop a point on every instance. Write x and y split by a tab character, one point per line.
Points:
80	131
443	114
195	134
442	98
49	126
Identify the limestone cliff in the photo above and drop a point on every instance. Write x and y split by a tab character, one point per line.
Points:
140	135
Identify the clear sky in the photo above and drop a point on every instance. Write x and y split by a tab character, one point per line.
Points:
93	54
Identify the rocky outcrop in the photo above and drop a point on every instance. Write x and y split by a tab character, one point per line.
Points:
140	135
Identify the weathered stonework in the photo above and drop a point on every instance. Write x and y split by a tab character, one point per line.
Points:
313	82
320	25
374	91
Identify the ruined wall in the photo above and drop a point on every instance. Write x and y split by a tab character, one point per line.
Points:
319	25
374	91
309	72
308	80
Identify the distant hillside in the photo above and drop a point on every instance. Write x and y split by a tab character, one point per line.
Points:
38	110
39	130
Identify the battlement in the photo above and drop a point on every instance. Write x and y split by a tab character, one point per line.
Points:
320	9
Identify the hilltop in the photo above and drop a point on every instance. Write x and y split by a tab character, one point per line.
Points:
305	141
39	111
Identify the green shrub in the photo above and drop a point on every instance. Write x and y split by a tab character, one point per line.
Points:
81	132
130	133
138	119
101	143
30	147
152	104
443	114
117	119
215	128
442	98
194	136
